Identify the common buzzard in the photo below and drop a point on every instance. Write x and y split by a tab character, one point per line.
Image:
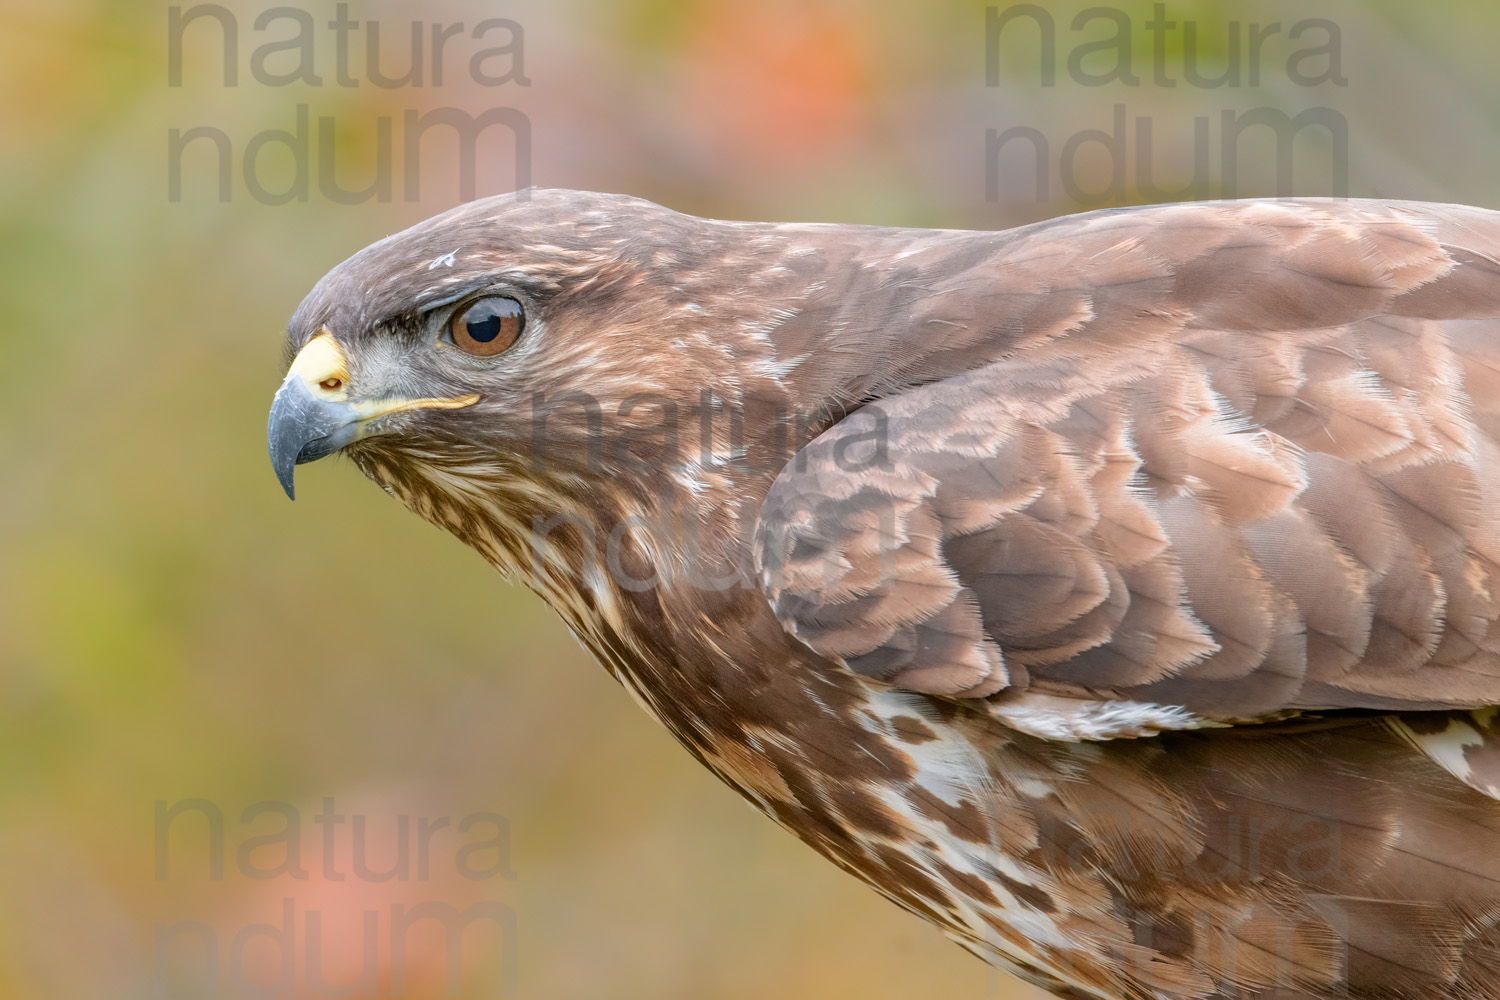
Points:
1118	593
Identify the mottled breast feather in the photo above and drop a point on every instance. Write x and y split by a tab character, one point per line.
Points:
1236	459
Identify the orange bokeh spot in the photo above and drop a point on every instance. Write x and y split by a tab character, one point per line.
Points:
777	84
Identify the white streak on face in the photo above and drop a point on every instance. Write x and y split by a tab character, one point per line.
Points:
446	260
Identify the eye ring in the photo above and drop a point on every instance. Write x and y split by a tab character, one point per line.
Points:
487	326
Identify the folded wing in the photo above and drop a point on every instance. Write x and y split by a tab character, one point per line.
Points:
1221	463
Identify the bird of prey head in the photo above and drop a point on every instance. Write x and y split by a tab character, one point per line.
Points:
552	358
1118	593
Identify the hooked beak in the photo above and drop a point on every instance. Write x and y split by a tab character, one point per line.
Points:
313	416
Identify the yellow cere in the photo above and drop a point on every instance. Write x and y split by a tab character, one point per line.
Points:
321	365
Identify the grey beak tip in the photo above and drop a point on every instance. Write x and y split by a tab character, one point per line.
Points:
287	432
285	470
304	429
282	438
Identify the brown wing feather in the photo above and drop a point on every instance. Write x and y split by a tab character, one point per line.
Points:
1233	457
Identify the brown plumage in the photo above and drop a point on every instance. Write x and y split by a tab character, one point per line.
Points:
1119	593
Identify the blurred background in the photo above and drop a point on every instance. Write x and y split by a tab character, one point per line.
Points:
197	677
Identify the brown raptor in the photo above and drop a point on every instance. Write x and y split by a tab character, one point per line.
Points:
1119	593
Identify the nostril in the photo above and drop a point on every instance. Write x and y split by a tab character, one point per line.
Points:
331	384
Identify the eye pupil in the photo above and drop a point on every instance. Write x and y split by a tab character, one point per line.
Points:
485	330
487	326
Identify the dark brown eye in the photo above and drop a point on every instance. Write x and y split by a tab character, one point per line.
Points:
488	326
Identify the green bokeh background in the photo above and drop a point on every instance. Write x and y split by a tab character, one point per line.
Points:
172	627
